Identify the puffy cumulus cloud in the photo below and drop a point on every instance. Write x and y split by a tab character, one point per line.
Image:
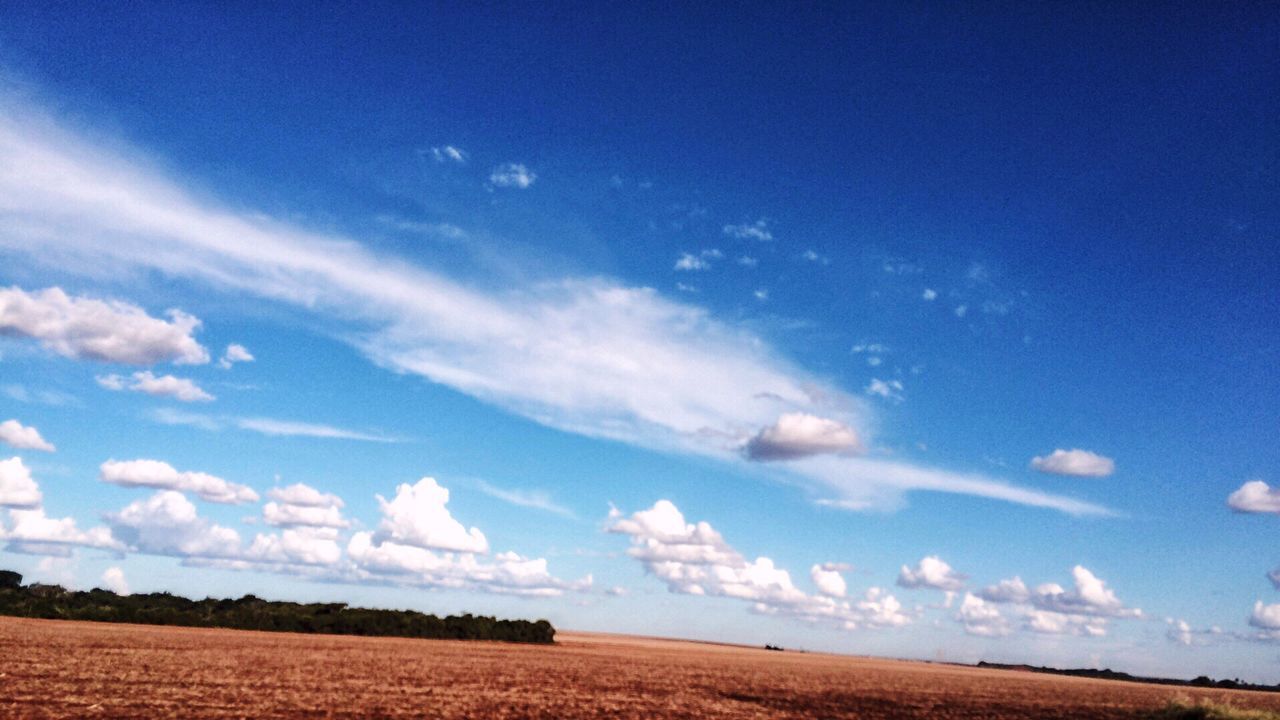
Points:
693	559
234	353
113	579
296	546
1051	609
590	356
1012	590
417	516
16	435
507	574
982	618
419	543
1255	496
1265	617
1080	463
797	435
828	580
17	488
758	230
931	572
107	331
300	505
161	475
167	524
1090	596
183	389
34	532
512	175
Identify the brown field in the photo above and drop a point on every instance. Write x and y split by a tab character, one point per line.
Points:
58	669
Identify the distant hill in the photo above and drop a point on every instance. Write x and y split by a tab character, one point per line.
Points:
254	613
1109	674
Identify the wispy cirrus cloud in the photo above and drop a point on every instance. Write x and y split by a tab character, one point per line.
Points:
586	355
265	426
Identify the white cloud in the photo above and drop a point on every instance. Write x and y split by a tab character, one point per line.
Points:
693	559
234	354
537	499
163	476
167	524
1080	463
17	488
449	153
797	435
300	505
688	261
417	516
1255	496
1050	609
289	428
828	580
929	294
16	435
759	230
145	381
814	257
414	545
1007	591
961	310
113	579
296	546
40	534
761	294
107	331
1265	617
981	618
748	261
931	572
588	356
512	175
887	389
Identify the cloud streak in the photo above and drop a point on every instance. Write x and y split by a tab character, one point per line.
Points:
585	355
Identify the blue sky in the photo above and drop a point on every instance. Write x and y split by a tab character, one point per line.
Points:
762	325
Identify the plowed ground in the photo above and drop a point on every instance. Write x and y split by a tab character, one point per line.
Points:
58	669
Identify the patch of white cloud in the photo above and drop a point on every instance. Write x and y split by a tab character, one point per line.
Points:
828	580
693	559
417	516
1255	496
797	435
887	389
182	389
290	428
982	618
17	488
748	261
759	230
113	579
1080	463
929	294
300	505
536	499
449	153
163	476
512	175
931	572
102	330
167	524
22	437
1084	610
234	353
690	262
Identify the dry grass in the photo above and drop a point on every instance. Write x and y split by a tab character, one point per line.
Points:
57	669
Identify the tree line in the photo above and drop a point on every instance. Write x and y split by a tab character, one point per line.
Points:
254	613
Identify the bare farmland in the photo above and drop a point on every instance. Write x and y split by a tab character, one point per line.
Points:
59	669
